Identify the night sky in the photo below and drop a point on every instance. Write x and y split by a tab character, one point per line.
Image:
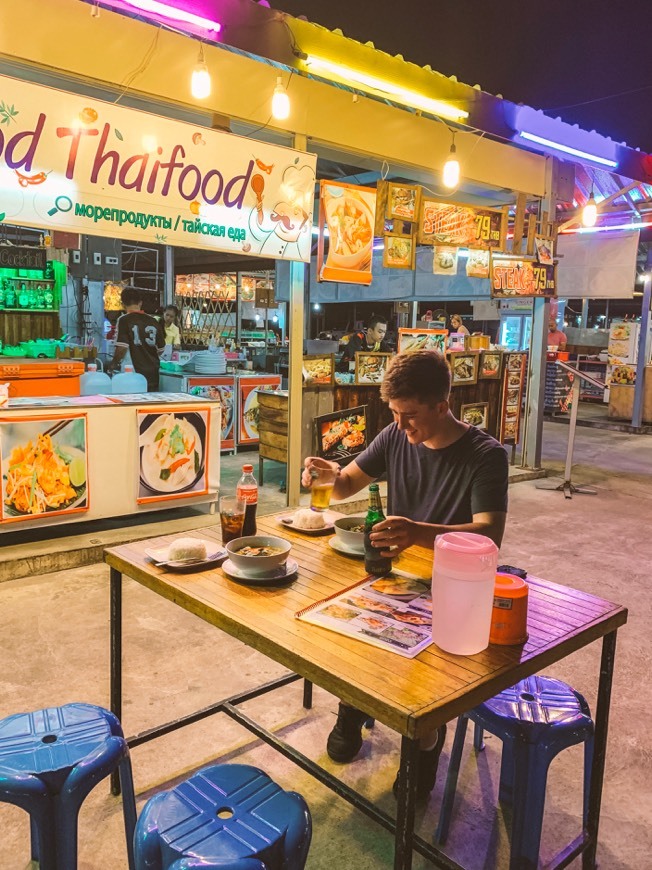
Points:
550	55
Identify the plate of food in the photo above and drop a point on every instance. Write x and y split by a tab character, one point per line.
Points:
187	554
309	522
344	434
44	473
172	452
250	415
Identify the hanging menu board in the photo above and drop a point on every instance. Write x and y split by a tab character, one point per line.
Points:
451	223
513	277
512	398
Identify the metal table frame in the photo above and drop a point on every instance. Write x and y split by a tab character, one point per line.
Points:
405	840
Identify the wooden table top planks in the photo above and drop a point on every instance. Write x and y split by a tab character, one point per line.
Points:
411	696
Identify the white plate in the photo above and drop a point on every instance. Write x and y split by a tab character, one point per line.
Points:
213	554
339	547
278	576
327	528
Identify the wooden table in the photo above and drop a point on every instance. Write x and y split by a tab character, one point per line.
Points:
411	696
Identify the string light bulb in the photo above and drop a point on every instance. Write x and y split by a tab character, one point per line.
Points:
451	171
590	211
200	81
280	101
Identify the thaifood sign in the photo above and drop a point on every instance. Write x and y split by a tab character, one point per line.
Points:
75	164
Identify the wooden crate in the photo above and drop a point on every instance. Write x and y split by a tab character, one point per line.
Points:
17	326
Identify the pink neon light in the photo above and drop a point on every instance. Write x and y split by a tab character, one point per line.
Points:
174	13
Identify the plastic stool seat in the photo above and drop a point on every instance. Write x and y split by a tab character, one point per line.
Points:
49	762
226	816
535	719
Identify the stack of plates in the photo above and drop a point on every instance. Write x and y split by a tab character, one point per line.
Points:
210	363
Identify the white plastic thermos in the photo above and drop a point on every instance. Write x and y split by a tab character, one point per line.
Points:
463	578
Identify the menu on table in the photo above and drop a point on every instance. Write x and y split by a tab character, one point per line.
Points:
392	612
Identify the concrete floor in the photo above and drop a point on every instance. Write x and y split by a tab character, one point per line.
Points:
54	646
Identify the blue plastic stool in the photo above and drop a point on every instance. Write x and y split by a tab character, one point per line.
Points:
225	816
535	719
50	760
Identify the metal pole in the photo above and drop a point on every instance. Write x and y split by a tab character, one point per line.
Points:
414	313
295	382
585	313
169	282
573	427
639	385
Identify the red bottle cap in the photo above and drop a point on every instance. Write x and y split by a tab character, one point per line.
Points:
247	469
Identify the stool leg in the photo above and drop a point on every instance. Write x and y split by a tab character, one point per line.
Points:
588	769
451	781
66	821
41	823
33	836
128	807
530	777
506	783
478	734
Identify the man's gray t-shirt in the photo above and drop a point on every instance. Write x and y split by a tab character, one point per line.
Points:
444	487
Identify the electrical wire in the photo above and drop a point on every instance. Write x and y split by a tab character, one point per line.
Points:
141	68
599	99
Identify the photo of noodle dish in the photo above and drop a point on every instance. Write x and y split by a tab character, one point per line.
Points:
44	467
318	369
172	451
464	368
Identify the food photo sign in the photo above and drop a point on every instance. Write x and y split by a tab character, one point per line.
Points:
342	435
513	382
515	276
44	464
410	339
348	212
77	164
222	389
318	369
173	453
448	223
370	368
248	410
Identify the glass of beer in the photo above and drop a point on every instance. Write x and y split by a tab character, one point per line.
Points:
323	481
232	514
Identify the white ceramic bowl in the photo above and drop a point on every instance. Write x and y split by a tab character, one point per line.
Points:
257	566
353	540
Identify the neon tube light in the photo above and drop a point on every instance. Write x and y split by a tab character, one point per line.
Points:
557	146
411	98
174	13
639	225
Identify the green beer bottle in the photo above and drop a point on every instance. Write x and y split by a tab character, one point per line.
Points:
374	563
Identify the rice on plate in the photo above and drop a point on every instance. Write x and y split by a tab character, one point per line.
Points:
305	518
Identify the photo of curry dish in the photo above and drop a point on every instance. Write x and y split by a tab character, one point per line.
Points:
464	368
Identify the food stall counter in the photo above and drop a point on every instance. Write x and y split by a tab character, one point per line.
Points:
69	459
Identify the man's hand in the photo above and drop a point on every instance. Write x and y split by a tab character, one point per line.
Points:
394	535
315	462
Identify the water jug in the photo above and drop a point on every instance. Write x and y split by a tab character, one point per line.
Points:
93	382
129	381
463	576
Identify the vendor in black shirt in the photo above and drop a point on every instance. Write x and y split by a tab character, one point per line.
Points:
371	340
142	335
442	476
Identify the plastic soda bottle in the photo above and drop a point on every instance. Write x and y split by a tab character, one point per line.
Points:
247	490
374	563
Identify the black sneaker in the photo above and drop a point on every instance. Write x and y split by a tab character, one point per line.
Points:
345	740
428	763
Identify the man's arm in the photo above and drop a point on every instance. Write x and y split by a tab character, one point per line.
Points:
563	342
121	343
397	533
349	480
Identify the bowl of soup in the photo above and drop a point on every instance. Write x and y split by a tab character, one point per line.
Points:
351	230
258	554
350	531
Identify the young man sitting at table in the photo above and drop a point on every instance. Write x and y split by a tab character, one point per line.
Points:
442	475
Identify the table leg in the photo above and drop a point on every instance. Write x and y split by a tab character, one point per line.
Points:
116	658
600	747
407	789
307	694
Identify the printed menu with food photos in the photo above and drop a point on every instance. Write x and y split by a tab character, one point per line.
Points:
392	612
513	381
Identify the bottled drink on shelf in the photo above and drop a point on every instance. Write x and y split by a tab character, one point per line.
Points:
374	563
48	299
40	298
10	295
23	296
2	292
247	490
49	271
33	299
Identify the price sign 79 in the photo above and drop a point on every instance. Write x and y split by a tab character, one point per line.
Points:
541	280
483	227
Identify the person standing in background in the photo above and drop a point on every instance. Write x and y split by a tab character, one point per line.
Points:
371	340
457	325
556	338
172	333
142	335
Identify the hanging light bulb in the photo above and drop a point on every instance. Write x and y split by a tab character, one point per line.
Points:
280	101
451	171
200	82
590	211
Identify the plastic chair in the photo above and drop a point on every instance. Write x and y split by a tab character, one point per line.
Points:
535	719
225	816
50	760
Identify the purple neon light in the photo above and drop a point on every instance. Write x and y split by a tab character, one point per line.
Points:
174	13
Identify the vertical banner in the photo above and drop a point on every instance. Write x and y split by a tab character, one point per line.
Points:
223	389
248	410
348	212
44	466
